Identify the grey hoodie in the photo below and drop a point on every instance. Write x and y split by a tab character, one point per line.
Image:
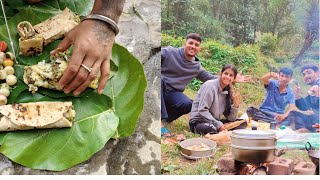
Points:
177	72
210	103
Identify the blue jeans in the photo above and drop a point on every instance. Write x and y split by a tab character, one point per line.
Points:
173	103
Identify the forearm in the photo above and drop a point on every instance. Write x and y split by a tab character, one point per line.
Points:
110	8
266	77
205	76
291	108
233	115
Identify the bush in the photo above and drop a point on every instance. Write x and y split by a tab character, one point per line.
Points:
268	43
167	40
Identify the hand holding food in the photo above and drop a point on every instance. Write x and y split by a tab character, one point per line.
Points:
47	75
92	42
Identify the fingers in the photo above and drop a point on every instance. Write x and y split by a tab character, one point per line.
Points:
105	72
91	77
73	68
247	78
79	75
63	46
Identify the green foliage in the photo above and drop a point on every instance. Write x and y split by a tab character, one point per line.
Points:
98	117
167	40
268	43
214	55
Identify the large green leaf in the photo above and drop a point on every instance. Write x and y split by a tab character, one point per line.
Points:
126	89
98	117
59	149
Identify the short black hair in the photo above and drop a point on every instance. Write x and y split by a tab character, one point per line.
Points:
286	71
310	66
194	36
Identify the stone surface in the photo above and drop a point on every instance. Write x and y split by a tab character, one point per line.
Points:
140	28
304	168
280	166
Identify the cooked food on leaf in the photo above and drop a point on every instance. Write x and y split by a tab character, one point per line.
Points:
33	38
36	115
200	147
47	75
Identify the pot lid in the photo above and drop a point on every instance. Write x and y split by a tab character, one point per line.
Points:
253	133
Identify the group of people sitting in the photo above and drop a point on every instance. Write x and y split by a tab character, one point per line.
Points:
218	96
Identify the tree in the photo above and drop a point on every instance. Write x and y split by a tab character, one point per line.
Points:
311	29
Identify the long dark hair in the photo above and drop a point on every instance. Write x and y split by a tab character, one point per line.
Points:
229	99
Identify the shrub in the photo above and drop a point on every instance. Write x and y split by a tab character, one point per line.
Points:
167	40
268	43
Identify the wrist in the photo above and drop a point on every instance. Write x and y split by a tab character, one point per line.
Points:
271	75
109	22
110	8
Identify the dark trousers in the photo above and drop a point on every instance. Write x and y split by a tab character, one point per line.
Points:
306	121
298	119
173	103
202	128
199	127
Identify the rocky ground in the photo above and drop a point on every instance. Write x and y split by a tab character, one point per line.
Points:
140	28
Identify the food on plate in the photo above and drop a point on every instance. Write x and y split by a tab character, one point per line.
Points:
7	77
200	147
3	46
36	115
7	62
47	75
3	100
11	80
2	57
34	38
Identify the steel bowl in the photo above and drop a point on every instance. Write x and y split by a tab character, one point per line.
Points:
197	154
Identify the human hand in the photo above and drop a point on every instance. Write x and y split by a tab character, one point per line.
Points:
235	96
242	78
92	41
314	91
280	117
296	91
317	126
309	112
274	75
222	128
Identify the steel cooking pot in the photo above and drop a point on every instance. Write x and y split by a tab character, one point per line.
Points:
313	154
253	146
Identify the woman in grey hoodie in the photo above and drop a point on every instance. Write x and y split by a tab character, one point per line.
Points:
215	97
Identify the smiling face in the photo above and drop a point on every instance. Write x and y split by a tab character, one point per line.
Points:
191	48
227	77
310	76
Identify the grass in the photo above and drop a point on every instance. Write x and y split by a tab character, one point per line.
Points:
173	163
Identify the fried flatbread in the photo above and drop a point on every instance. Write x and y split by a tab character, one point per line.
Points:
36	115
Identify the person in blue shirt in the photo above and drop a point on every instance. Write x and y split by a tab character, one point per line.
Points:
279	96
310	103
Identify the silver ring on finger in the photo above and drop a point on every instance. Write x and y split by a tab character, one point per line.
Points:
88	69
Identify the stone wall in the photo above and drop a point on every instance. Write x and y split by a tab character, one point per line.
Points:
140	28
